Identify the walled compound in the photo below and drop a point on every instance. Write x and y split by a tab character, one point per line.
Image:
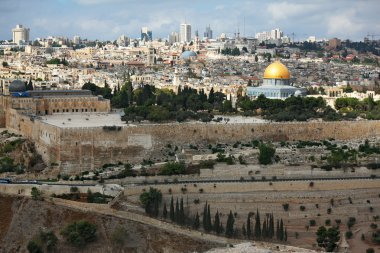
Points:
76	131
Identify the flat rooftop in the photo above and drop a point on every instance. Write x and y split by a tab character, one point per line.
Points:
83	120
65	120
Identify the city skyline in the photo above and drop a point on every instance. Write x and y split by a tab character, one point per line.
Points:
108	19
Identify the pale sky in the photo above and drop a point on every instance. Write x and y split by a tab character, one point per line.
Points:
108	19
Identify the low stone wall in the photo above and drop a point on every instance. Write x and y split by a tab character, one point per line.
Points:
260	186
47	190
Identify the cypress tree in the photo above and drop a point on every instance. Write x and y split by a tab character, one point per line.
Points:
285	235
230	225
181	213
257	226
221	227
204	220
271	226
155	207
165	211
217	223
196	221
281	230
177	213
264	230
249	232
209	224
278	230
171	213
244	231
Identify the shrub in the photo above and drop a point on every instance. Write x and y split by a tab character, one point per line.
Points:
97	197
349	234
351	221
34	247
207	164
79	233
119	236
36	194
173	168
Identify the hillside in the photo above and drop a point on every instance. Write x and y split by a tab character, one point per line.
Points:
23	218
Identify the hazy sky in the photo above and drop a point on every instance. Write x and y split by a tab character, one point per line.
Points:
108	19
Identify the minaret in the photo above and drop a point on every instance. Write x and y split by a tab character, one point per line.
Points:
176	79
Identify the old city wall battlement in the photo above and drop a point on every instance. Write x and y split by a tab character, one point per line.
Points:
89	148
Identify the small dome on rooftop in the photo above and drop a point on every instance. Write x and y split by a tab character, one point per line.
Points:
188	54
17	86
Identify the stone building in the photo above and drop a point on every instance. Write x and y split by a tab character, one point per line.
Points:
47	102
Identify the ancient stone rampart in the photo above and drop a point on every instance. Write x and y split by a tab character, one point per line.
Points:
79	149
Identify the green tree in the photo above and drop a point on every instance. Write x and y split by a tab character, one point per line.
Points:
256	58
217	223
266	154
5	64
165	211
173	168
177	212
48	239
34	247
150	200
171	212
182	218
29	86
328	238
244	230
79	233
285	235
196	221
249	232
230	225
257	226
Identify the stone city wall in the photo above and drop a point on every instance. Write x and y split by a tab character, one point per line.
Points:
89	148
81	149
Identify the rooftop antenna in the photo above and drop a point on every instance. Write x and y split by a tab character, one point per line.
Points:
244	28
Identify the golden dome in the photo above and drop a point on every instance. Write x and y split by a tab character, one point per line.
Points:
276	70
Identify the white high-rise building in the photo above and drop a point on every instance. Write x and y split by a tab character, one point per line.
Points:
173	38
20	34
76	40
274	34
185	33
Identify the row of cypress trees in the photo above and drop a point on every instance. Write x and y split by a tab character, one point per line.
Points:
261	231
